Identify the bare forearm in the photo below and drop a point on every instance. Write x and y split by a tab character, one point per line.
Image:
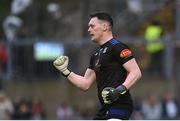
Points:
132	78
82	82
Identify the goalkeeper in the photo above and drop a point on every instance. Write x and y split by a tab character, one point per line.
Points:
113	67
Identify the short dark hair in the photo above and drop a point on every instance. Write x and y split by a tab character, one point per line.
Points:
103	16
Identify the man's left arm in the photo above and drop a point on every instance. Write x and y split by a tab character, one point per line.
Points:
123	55
110	94
134	73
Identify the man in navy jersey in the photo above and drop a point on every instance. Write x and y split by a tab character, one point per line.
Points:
113	67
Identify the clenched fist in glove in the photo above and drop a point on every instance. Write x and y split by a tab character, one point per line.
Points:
110	94
61	64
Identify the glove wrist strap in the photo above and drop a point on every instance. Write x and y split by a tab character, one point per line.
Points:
66	72
121	89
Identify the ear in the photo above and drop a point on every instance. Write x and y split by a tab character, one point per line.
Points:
105	26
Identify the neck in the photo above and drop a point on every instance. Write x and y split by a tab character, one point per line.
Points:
105	38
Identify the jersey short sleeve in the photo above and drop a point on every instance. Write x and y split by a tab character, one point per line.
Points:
122	53
91	66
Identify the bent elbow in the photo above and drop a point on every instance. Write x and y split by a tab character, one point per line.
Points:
139	74
85	88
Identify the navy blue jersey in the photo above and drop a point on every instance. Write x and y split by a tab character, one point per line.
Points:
107	62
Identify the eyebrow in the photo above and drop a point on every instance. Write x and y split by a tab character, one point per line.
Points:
90	24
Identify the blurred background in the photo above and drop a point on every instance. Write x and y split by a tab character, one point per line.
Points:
34	32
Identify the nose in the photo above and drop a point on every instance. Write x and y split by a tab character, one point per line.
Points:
89	29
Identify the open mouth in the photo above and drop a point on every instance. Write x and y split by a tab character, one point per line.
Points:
91	35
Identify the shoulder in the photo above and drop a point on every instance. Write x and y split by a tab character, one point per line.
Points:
115	42
117	45
121	50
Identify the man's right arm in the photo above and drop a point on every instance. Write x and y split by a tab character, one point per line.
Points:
83	82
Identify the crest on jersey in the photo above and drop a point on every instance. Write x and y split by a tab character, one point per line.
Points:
125	53
105	49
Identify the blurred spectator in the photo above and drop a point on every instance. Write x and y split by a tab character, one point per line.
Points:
16	103
54	10
65	112
170	107
152	108
3	57
3	62
135	6
137	112
155	47
37	109
18	6
6	107
23	112
77	113
89	110
11	26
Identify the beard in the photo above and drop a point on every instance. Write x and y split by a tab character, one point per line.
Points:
94	39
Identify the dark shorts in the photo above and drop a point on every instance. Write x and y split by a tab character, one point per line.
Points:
113	112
